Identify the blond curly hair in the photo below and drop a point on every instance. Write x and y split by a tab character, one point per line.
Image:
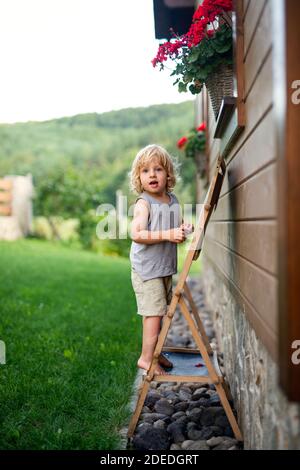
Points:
145	156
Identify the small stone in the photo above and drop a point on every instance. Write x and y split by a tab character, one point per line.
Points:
186	388
182	420
177	431
185	444
217	430
181	406
168	387
196	386
198	445
151	439
151	417
159	424
209	416
226	444
175	447
143	425
201	403
191	425
178	415
184	395
210	392
195	414
170	395
146	409
214	400
222	421
194	434
163	406
214	441
207	432
200	392
152	397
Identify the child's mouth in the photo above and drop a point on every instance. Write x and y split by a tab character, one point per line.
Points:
154	184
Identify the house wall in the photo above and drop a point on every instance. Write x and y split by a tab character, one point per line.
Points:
240	252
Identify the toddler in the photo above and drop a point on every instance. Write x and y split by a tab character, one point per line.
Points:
157	227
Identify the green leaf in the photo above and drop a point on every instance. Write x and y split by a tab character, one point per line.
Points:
194	90
182	87
193	57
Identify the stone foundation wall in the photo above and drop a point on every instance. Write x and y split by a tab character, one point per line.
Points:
267	419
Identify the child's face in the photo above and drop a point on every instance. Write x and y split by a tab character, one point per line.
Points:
153	177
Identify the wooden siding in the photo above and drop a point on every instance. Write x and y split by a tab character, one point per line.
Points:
241	239
286	110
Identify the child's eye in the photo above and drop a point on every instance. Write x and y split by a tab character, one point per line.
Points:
144	170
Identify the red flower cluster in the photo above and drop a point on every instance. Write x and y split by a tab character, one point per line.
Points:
202	127
181	142
212	8
167	49
203	16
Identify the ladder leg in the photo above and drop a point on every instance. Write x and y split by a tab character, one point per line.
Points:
197	318
138	409
229	412
227	390
211	370
199	341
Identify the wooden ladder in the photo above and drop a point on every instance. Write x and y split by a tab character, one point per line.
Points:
204	352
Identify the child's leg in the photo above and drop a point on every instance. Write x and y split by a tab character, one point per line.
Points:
151	329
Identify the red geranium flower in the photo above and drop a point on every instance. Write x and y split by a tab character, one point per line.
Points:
181	142
202	127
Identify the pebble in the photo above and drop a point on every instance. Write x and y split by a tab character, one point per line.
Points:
176	430
187	416
164	406
184	395
214	441
198	445
160	424
185	444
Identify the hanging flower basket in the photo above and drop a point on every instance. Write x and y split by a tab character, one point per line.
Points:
204	55
220	84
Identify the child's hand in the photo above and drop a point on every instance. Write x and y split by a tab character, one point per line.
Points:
188	228
176	235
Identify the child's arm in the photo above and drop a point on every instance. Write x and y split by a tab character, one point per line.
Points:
140	234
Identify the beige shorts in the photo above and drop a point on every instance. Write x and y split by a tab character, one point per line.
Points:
152	296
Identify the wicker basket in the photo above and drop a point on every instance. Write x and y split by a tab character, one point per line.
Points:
220	84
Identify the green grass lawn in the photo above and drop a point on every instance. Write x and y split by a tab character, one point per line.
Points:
72	336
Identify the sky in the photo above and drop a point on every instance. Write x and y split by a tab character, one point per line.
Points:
66	57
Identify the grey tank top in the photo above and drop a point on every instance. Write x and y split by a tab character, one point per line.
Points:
158	259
